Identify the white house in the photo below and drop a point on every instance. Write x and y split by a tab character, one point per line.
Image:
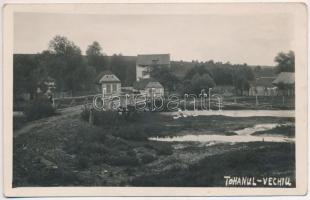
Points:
145	61
110	85
150	87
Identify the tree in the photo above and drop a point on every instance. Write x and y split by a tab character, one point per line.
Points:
60	45
242	84
130	73
118	66
258	68
67	66
198	69
198	83
96	58
222	75
164	75
242	75
27	74
285	62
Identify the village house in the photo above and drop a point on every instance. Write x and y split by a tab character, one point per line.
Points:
145	84
263	86
109	84
149	87
285	83
146	61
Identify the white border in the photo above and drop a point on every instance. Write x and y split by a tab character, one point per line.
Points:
80	191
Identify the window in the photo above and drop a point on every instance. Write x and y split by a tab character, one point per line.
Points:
108	88
114	87
144	73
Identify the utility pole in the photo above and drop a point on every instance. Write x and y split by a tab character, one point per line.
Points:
210	98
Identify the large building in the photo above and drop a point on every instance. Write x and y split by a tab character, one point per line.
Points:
146	61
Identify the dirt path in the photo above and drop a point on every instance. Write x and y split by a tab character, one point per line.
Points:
61	114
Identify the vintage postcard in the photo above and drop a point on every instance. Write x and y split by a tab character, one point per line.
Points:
155	99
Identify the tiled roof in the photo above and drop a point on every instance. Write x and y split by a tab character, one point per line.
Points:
154	84
146	83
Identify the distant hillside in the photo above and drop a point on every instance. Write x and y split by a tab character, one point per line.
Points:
180	68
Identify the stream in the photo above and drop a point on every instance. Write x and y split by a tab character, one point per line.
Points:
242	135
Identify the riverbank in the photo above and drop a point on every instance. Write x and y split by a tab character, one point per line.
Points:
64	150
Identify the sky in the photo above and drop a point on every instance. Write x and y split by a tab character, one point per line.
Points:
249	38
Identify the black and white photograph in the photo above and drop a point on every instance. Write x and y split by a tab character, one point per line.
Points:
158	95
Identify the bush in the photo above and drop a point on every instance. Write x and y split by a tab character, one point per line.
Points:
120	125
83	162
147	158
130	132
161	148
85	114
39	108
18	122
124	160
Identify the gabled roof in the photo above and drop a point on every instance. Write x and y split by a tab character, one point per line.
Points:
146	83
107	76
154	84
285	78
149	59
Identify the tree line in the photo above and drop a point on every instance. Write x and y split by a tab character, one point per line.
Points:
184	77
204	75
63	61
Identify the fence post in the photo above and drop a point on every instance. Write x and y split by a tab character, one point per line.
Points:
91	116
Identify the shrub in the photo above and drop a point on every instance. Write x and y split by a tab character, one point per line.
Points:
39	108
18	122
85	114
147	158
161	148
124	160
165	150
83	162
130	132
126	125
